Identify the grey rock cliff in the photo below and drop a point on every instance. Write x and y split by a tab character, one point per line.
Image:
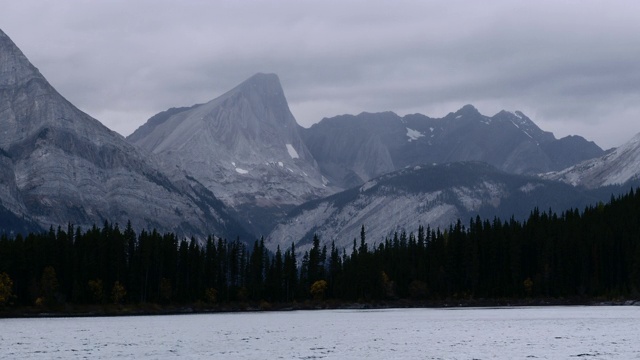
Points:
429	195
618	166
10	197
68	167
244	146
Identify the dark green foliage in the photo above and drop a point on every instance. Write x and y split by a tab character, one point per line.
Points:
589	254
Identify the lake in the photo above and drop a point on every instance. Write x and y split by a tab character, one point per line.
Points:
598	332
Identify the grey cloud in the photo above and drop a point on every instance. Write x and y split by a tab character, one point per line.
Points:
572	66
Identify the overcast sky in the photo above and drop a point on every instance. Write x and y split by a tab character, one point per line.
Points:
572	66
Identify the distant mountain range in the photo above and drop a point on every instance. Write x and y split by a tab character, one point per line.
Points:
353	149
240	165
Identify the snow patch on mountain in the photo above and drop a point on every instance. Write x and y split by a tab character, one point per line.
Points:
414	134
292	152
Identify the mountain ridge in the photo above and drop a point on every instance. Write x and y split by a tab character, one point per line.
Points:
509	141
241	159
244	146
617	166
427	195
69	167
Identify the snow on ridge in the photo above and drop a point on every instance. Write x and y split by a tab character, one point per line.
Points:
292	152
413	134
516	114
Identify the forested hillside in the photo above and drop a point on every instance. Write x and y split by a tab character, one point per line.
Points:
593	253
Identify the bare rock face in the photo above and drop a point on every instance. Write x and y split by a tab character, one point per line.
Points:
10	197
68	167
353	149
435	196
244	146
618	166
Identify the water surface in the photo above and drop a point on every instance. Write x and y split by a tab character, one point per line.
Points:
503	333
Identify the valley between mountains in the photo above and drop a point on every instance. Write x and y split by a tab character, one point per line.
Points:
240	166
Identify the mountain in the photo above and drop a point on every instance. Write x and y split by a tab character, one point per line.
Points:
618	166
428	195
64	166
244	146
353	149
14	217
241	161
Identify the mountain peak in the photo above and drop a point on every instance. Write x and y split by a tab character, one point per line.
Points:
517	116
468	110
15	68
616	167
74	169
263	78
261	83
244	146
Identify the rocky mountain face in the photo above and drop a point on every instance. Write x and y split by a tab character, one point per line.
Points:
14	217
64	166
353	149
244	146
241	161
428	195
10	197
616	167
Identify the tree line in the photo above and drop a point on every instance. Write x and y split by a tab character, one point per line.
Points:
593	253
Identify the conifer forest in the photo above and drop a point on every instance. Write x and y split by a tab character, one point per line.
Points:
590	253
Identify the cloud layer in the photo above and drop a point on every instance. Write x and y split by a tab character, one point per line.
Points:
572	66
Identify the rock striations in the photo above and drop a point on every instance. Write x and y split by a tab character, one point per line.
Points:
618	166
241	161
244	146
428	195
63	166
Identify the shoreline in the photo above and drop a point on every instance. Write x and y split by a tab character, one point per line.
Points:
110	310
